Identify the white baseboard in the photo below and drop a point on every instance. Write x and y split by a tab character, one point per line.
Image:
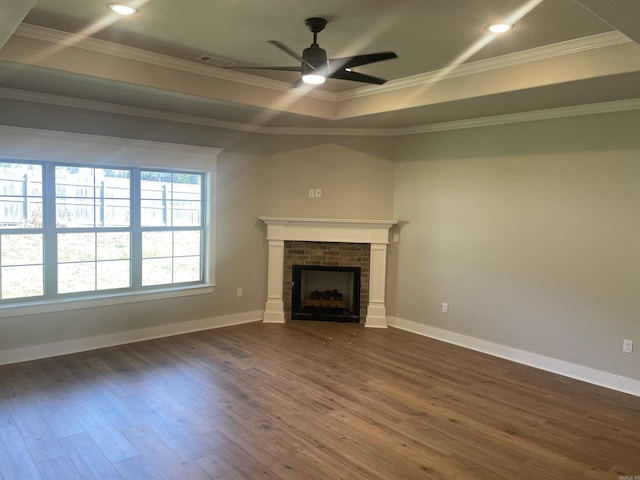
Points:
542	362
91	343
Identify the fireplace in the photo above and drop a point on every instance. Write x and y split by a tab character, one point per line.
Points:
373	235
325	293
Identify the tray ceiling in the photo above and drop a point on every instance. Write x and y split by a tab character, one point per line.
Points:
561	54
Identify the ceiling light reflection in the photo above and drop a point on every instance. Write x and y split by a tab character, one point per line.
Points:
313	79
499	27
123	9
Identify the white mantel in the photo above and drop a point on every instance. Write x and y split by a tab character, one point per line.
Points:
373	232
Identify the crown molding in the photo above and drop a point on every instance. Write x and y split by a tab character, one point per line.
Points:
532	116
138	55
569	47
602	40
537	115
106	107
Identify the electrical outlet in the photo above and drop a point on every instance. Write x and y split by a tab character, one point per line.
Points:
627	346
239	292
445	308
312	193
396	237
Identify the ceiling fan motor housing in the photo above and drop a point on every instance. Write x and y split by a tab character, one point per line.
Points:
316	56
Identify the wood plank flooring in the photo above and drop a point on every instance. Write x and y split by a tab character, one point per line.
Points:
307	400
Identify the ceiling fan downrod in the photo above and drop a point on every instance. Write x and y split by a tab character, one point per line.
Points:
315	25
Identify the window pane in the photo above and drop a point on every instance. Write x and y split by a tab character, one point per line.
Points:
74	212
153	213
21	257
20	282
171	199
21	250
76	277
186	269
186	214
186	242
116	213
92	197
75	196
113	245
75	247
156	244
72	181
114	193
20	195
187	199
157	271
113	274
155	194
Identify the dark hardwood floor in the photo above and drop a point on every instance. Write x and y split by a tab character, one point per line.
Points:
307	400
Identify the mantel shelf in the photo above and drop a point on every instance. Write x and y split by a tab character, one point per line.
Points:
327	221
328	229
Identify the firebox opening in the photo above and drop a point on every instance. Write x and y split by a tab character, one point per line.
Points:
325	293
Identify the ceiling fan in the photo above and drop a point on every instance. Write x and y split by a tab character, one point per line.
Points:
315	67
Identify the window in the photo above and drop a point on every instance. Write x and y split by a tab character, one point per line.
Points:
73	230
103	254
21	233
171	214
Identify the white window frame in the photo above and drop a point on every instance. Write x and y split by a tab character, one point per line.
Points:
18	143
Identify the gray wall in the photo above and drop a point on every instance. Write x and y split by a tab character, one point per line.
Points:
257	175
530	232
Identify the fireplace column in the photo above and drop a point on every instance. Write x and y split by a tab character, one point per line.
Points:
274	308
376	310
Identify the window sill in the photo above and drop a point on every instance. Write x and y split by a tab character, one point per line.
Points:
49	306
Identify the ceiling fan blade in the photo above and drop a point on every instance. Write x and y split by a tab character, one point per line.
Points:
357	77
250	67
358	60
290	52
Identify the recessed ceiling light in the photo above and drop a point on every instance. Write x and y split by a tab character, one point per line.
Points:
122	9
499	27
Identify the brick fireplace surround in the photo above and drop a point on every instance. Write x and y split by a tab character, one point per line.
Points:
326	254
345	238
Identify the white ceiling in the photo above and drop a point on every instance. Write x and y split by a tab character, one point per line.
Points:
562	54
